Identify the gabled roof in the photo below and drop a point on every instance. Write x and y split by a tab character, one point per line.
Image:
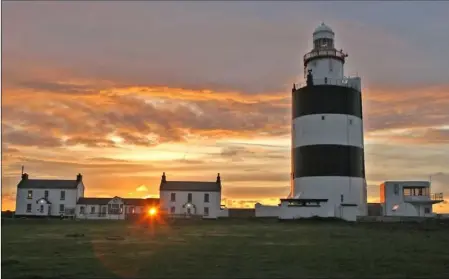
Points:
47	184
191	186
47	201
105	201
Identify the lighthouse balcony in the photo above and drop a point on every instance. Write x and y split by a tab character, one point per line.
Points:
351	82
324	53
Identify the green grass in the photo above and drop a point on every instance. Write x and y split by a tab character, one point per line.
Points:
223	249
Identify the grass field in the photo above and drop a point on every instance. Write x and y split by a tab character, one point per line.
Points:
222	249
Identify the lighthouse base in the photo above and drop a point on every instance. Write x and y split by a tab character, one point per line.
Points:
324	197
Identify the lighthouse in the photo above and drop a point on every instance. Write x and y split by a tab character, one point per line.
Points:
327	132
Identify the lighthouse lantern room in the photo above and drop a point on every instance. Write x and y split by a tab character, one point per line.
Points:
324	61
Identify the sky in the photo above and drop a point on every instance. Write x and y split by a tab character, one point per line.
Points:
123	91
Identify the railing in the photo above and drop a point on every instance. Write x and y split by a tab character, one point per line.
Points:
324	53
418	198
351	82
437	197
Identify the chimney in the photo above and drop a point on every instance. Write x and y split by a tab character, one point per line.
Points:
164	178
24	176
218	178
79	177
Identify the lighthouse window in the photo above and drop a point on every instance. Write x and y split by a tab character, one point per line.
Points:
323	117
350	121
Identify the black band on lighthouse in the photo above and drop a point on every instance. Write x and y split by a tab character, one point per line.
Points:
322	99
328	160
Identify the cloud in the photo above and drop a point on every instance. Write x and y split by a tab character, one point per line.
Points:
142	188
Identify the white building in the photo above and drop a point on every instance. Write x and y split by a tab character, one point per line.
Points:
190	198
48	197
115	208
408	198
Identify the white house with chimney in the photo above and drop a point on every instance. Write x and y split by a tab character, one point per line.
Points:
48	197
191	198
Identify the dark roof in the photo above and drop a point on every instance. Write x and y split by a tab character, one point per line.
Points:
192	186
141	202
47	184
104	201
348	204
94	201
305	200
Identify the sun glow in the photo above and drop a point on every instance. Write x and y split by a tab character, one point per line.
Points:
152	211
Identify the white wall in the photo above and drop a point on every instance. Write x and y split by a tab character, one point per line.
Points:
53	197
334	129
297	212
197	200
331	187
267	210
331	68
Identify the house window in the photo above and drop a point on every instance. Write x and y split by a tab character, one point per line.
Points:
172	210
62	195
173	197
42	208
188	211
323	117
206	211
92	209
82	210
61	208
396	189
29	207
132	210
46	194
189	197
427	210
206	197
114	208
30	194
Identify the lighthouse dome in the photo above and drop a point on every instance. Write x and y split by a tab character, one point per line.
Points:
323	28
323	31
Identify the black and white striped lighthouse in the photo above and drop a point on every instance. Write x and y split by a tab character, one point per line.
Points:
327	130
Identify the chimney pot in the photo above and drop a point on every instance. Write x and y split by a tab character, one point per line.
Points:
164	178
79	177
24	176
218	178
